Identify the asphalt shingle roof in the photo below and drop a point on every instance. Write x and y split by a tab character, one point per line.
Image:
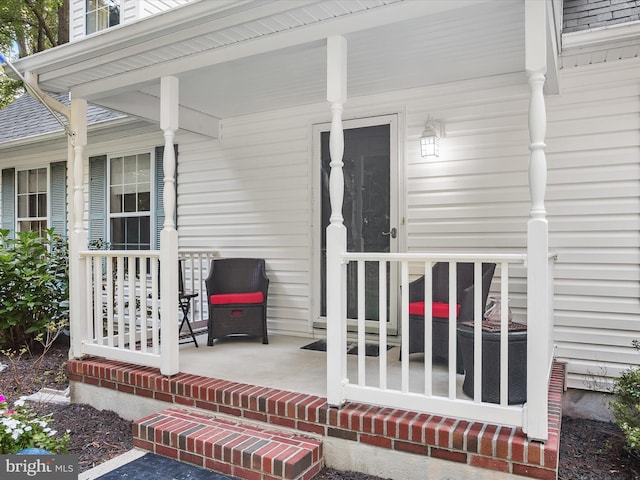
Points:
26	117
586	14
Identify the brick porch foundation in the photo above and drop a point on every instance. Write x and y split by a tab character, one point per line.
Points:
487	446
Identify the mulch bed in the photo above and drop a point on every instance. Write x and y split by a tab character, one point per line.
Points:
588	449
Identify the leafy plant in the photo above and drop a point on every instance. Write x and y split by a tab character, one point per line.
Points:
626	406
20	428
34	288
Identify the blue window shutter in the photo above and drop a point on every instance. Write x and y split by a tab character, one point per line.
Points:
9	200
98	198
58	198
159	220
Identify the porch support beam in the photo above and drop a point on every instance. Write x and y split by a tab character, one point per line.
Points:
169	104
539	320
78	235
336	231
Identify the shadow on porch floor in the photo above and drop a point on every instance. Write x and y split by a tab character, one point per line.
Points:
284	365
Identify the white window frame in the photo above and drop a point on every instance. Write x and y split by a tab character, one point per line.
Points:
104	8
20	219
152	193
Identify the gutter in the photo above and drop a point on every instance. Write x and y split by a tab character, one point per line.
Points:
51	104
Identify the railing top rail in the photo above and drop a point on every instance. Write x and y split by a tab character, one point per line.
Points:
440	257
121	253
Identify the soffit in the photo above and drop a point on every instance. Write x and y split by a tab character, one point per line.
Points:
265	55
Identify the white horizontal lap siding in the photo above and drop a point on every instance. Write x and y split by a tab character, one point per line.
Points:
151	7
475	196
249	195
593	199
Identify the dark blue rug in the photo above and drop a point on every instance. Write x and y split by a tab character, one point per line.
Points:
154	467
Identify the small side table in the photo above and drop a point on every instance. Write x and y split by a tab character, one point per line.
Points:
517	374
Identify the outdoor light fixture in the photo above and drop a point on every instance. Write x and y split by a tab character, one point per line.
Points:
430	139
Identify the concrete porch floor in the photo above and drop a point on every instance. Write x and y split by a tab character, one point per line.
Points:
282	364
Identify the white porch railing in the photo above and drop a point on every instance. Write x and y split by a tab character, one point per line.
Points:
123	316
377	389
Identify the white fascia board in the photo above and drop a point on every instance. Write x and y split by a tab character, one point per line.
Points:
601	36
319	31
117	40
192	19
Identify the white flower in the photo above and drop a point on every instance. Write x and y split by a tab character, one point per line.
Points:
52	433
19	402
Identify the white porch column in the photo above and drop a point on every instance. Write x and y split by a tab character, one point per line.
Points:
336	231
169	235
77	234
539	323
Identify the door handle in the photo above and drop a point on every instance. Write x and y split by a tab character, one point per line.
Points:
393	232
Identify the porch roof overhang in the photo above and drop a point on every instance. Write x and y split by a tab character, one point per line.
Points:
238	58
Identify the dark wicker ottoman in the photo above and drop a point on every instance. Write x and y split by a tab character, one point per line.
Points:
491	362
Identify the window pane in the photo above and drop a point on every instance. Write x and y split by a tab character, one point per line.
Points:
33	181
102	19
130	167
116	199
42	205
116	171
23	179
144	169
91	5
133	231
114	14
117	233
144	201
145	233
42	180
22	206
33	206
129	201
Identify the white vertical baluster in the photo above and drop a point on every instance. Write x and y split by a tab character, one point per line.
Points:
143	303
361	324
478	310
504	334
98	316
453	324
404	308
382	322
428	329
109	292
121	313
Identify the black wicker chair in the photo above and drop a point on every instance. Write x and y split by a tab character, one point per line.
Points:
440	296
237	297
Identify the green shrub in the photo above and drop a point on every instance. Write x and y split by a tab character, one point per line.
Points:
626	406
34	288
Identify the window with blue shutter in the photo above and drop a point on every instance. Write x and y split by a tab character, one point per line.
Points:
127	214
9	200
58	198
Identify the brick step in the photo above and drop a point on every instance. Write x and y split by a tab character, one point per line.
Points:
242	450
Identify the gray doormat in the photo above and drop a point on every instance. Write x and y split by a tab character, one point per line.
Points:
154	467
370	349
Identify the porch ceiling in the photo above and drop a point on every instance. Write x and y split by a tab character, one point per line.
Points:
259	56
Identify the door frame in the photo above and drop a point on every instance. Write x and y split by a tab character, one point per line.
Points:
397	210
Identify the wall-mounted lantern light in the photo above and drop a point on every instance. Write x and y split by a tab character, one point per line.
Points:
430	139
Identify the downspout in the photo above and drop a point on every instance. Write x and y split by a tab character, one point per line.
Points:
76	117
51	104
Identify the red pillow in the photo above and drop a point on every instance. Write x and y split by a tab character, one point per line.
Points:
438	309
236	298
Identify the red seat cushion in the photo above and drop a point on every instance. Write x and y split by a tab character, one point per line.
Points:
438	309
236	298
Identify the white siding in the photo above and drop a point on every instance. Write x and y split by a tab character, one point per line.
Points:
131	10
250	194
594	204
